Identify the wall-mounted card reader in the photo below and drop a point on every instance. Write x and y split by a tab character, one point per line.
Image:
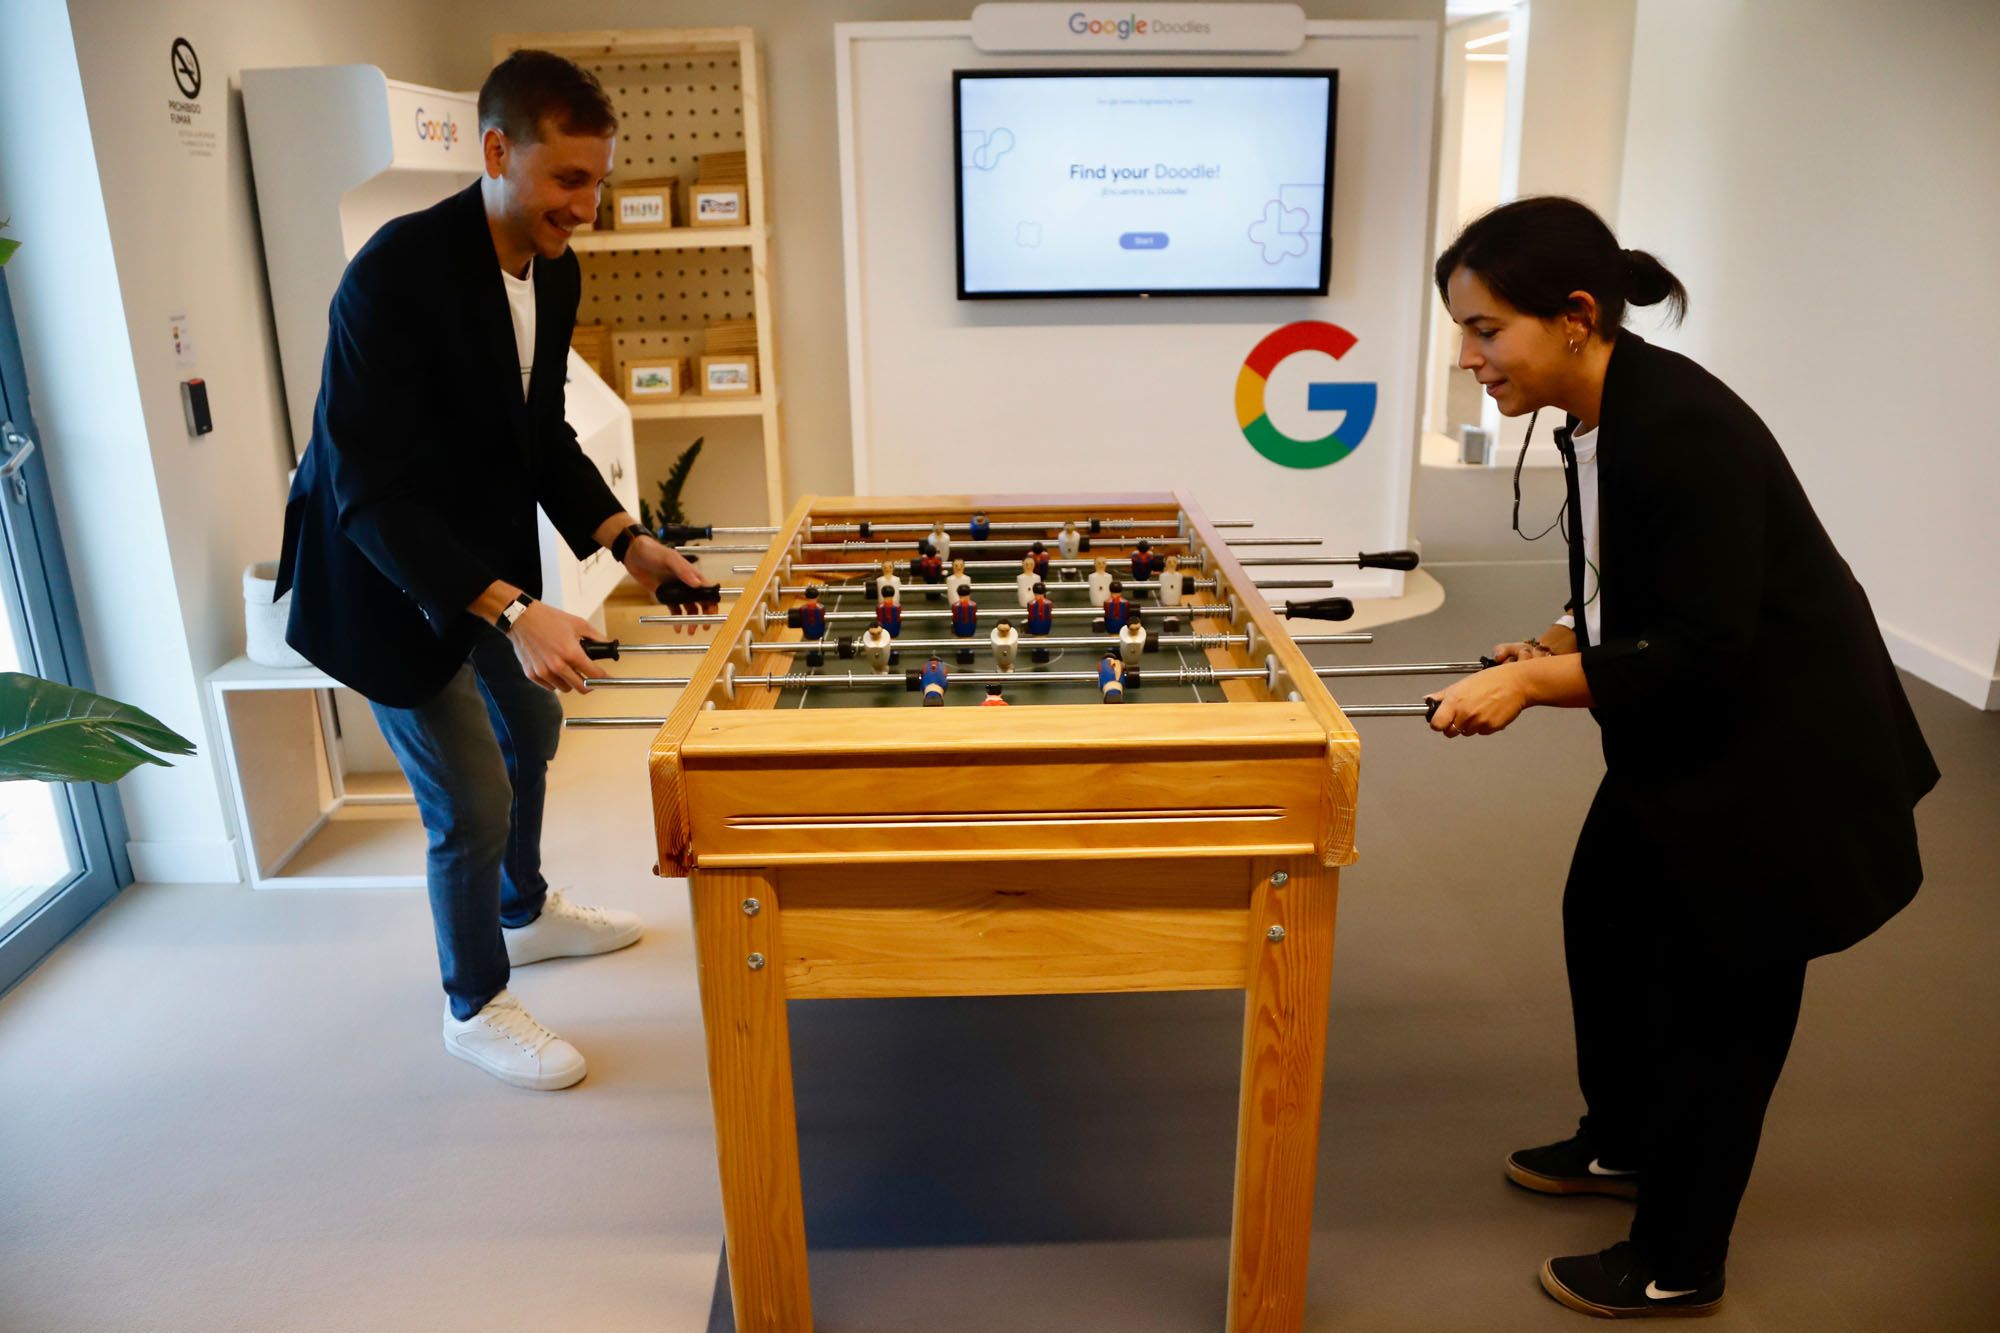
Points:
194	401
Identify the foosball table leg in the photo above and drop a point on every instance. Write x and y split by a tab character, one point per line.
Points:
740	950
1287	985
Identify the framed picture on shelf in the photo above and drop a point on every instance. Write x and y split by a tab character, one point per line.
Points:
643	205
715	205
650	379
728	376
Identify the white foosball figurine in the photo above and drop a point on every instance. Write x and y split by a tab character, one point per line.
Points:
940	541
891	586
875	648
1069	543
1170	582
1099	583
1005	644
1131	642
960	582
1025	581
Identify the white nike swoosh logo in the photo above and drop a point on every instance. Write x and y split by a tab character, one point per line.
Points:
1653	1293
1599	1170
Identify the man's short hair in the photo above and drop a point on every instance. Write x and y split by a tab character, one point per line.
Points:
531	87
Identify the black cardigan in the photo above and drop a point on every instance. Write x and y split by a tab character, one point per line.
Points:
1750	714
420	485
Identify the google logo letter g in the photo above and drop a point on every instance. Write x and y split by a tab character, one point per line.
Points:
1356	402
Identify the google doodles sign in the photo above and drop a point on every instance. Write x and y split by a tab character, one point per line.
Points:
1355	401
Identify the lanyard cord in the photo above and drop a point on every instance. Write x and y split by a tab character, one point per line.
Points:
1519	462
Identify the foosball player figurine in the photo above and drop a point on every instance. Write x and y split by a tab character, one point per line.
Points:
928	567
1170	582
810	616
1025	581
1144	563
1131	643
1069	542
993	699
960	581
933	680
981	529
1040	555
1111	680
889	615
1005	644
877	648
940	541
887	586
1099	583
1117	608
1041	619
965	622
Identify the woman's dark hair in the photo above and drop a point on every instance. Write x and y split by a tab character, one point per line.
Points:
1534	252
530	87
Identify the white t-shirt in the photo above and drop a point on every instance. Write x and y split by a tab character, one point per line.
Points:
521	305
1585	445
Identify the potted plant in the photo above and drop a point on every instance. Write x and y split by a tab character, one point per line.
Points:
57	733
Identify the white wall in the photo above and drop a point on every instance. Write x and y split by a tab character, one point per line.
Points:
123	228
1824	176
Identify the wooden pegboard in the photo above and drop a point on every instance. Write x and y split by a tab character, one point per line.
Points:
671	109
657	302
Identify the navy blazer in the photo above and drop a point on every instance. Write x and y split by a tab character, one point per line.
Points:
1750	712
420	484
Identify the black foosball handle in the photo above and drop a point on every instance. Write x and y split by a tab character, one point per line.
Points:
676	593
673	534
1431	708
600	650
1325	608
1405	560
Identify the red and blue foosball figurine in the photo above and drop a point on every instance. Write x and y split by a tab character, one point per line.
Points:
1144	562
933	680
1117	608
993	699
965	622
1111	680
928	567
889	615
1041	619
981	529
812	619
1041	557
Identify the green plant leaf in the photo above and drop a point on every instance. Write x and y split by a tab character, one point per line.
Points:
7	249
57	733
677	475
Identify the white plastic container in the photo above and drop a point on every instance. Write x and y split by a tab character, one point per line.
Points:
264	619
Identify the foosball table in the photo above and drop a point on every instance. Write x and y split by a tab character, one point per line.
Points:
894	773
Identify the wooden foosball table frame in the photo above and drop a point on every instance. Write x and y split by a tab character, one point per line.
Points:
1035	849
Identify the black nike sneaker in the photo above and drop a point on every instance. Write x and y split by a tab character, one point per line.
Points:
1571	1167
1617	1284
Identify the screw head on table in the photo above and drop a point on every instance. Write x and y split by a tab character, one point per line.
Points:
1279	879
756	961
1275	934
751	907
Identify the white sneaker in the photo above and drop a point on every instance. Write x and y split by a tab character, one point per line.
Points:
568	930
506	1042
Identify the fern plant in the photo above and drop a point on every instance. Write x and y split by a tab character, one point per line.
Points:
58	733
670	511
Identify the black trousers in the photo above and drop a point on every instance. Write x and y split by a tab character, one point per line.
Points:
1680	1035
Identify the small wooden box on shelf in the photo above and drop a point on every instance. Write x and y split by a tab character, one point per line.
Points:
690	107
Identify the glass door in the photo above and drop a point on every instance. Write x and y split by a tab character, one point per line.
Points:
61	846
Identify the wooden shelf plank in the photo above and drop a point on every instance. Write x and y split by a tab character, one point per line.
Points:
698	407
674	238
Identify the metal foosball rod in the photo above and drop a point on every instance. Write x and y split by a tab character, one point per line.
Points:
1197	674
1007	589
612	648
1404	560
676	533
1424	710
1325	608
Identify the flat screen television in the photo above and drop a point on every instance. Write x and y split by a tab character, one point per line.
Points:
1092	183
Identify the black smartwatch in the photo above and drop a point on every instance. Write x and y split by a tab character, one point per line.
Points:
623	541
513	611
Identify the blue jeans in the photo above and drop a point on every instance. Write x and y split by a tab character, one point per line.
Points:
477	756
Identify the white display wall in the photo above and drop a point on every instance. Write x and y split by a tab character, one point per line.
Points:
952	396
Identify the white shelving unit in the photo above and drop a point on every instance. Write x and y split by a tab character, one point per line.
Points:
338	150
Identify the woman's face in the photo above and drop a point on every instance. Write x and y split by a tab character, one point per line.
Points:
1521	360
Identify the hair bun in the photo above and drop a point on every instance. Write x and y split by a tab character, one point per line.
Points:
1647	282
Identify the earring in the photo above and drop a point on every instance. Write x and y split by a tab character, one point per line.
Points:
1574	348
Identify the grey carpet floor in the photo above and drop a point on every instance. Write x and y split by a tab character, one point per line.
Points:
228	1110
